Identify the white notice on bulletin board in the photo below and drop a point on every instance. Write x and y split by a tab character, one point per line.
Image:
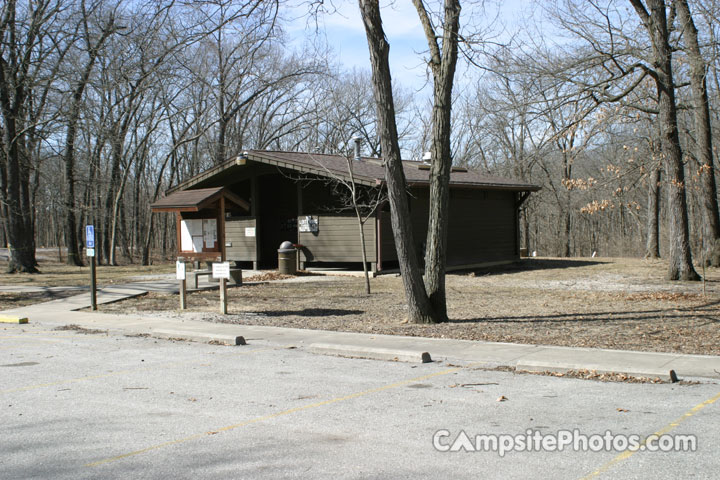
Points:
191	239
209	232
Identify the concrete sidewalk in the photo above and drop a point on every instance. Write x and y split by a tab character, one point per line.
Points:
523	357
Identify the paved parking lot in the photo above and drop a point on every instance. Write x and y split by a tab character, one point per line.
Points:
98	406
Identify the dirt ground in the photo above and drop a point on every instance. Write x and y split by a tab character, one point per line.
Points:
57	274
607	303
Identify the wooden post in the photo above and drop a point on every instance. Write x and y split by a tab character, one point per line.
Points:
221	235
221	228
255	212
181	275
183	294
223	296
178	228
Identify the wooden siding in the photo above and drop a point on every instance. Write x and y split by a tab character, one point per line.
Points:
243	247
482	228
389	253
337	240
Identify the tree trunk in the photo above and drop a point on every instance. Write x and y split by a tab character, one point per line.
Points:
526	229
680	265
443	60
566	232
361	223
363	250
115	219
419	308
20	238
652	246
71	239
703	133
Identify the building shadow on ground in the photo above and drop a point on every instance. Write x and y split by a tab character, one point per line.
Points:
530	264
705	311
311	312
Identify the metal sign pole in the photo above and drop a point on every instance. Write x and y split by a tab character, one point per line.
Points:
93	284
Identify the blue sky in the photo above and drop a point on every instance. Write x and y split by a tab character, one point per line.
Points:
346	35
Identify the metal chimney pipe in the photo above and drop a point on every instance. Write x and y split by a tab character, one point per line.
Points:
356	147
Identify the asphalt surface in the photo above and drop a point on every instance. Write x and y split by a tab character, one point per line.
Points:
110	406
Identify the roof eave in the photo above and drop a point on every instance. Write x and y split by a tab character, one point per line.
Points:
319	170
481	186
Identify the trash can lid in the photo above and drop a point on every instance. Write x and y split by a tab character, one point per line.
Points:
286	247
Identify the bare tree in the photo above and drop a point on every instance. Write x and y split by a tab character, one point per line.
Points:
703	134
655	23
91	47
420	309
23	48
442	62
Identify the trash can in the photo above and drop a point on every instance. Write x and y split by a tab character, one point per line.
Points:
287	258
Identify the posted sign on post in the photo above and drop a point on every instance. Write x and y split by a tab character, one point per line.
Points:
90	240
89	236
221	270
90	246
180	270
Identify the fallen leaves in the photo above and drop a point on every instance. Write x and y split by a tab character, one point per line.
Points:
663	296
502	398
267	277
588	375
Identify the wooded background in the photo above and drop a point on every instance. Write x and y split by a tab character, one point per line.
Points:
106	104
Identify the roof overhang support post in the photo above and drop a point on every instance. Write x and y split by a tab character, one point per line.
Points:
221	227
255	213
521	199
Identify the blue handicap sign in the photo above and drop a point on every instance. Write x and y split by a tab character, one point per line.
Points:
89	236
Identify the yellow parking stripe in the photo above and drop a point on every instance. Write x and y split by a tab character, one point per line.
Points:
669	427
275	415
12	319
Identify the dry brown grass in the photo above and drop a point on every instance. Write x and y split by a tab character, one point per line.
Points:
608	303
55	274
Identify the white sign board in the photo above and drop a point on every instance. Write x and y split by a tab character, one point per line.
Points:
308	224
180	270
249	231
221	270
90	252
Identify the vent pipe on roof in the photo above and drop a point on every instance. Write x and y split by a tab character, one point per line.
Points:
356	147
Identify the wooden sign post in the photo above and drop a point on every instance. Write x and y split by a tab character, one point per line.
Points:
180	275
221	270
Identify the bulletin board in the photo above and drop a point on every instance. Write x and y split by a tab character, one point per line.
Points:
199	235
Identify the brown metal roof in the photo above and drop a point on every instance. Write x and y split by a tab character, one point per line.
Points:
372	170
195	200
367	170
